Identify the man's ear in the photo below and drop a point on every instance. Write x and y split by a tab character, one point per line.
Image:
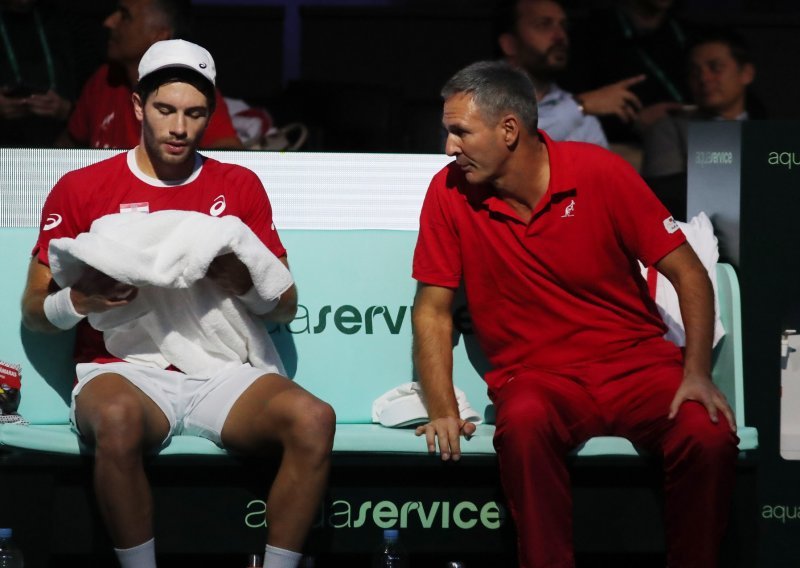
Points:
138	106
748	73
508	45
510	126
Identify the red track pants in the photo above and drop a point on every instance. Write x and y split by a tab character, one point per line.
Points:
542	415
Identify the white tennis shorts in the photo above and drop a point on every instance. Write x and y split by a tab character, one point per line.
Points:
195	405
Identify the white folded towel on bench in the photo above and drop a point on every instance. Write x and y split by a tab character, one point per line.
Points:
403	406
179	317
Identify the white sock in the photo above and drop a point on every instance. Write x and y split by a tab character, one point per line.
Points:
280	558
141	556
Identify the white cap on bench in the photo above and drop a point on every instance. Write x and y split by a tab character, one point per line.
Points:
403	406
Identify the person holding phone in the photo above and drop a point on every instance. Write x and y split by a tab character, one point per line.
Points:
36	75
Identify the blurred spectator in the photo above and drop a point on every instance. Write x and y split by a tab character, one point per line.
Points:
103	116
720	71
534	37
37	73
632	38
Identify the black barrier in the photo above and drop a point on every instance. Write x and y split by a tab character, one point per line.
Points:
746	177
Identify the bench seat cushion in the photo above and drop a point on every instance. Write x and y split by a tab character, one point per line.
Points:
349	438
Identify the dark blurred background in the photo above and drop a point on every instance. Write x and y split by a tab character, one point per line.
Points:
364	75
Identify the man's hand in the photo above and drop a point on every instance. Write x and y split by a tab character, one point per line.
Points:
700	389
655	112
446	431
614	99
96	292
12	107
49	105
230	274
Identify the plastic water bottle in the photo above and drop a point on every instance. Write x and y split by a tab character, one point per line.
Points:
254	561
391	553
10	555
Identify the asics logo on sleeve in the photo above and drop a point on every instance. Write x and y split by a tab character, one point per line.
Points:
218	207
53	220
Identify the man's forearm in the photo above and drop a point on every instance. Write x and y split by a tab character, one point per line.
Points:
33	316
433	357
696	299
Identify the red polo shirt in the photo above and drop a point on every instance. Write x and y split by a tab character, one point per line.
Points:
563	288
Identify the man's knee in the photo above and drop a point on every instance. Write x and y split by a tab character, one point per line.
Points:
312	424
697	437
115	426
525	420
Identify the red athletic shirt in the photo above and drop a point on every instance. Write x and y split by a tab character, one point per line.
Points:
111	186
564	288
104	118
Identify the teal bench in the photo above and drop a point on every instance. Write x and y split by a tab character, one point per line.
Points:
350	343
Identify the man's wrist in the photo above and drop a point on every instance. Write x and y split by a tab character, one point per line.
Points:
60	311
579	103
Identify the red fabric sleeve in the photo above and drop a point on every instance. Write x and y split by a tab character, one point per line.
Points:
437	256
78	126
220	126
644	225
257	212
60	218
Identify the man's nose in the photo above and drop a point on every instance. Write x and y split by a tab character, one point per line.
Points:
451	147
111	21
179	124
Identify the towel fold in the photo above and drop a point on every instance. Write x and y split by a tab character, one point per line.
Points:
403	406
179	317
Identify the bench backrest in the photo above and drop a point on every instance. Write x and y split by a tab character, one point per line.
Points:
350	343
349	222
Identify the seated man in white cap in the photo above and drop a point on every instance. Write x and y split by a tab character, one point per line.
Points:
129	400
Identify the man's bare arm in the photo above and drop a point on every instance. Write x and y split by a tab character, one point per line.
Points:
696	298
94	292
433	357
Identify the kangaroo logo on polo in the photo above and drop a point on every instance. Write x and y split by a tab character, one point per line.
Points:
107	121
53	220
569	210
218	207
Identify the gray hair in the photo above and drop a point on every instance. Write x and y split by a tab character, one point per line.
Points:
497	87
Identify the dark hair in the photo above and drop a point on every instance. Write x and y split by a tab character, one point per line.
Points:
740	50
497	87
156	79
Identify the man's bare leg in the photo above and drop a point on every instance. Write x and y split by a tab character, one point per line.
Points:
122	423
276	410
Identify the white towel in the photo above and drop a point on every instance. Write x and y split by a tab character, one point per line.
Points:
179	317
402	406
699	233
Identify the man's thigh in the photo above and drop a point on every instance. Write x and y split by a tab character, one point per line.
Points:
636	391
249	410
554	404
110	401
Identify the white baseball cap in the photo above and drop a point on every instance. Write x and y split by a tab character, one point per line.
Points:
403	406
178	53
